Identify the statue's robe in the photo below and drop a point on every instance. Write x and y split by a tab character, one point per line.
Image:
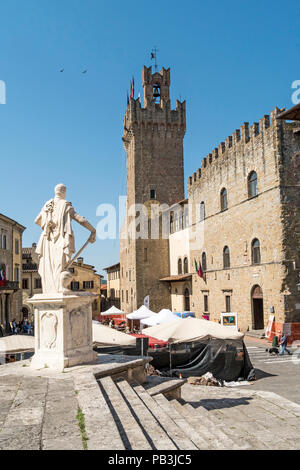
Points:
56	245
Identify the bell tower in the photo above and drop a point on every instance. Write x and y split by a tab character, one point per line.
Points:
153	140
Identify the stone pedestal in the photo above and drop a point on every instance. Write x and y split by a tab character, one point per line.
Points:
63	330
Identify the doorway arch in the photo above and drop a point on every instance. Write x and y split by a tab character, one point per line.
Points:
25	312
257	303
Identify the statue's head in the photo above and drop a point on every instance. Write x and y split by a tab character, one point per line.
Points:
60	191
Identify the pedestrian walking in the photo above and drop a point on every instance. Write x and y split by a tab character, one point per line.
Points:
283	346
14	327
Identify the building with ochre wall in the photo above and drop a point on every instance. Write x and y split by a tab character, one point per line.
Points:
10	264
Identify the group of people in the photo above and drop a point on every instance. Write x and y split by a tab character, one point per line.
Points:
119	326
22	327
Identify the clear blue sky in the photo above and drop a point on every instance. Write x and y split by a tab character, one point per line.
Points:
232	61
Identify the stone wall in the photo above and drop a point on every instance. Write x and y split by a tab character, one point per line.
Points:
153	139
263	149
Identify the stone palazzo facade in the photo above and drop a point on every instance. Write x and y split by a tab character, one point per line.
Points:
243	223
245	201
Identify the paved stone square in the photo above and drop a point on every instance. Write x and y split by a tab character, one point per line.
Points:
278	374
85	408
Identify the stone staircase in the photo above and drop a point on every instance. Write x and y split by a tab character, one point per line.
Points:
146	422
42	413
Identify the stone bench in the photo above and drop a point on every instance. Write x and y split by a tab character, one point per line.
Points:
169	387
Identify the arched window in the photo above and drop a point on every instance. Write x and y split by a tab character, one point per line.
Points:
204	262
4	242
187	300
252	184
185	266
179	266
224	199
171	222
226	257
202	211
255	250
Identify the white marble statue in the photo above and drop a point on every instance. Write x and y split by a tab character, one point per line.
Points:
56	245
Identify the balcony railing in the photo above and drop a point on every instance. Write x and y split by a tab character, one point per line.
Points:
10	285
30	267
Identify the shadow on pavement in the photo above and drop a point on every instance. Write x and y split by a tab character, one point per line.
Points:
261	374
219	403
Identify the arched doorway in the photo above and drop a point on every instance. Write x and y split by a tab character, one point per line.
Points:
25	312
257	308
186	300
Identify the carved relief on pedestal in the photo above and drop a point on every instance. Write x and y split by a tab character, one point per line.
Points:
78	327
49	330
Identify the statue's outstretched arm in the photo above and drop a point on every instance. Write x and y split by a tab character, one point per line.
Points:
85	223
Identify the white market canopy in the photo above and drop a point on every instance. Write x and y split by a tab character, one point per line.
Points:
16	343
191	329
163	316
140	314
101	335
113	311
110	337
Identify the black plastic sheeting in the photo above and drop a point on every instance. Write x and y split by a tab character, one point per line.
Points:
226	359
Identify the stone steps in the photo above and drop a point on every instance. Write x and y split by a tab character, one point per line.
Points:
128	427
225	436
204	427
39	412
232	422
175	433
250	417
169	387
101	429
151	427
266	425
181	421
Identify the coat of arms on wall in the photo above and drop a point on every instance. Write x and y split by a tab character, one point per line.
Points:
49	330
78	327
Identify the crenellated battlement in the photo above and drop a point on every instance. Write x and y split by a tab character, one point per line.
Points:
243	137
153	118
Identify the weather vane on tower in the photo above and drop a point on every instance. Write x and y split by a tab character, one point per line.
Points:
154	57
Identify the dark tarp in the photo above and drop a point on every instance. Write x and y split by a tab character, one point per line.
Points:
226	359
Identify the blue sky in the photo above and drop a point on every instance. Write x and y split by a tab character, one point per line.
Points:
231	61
